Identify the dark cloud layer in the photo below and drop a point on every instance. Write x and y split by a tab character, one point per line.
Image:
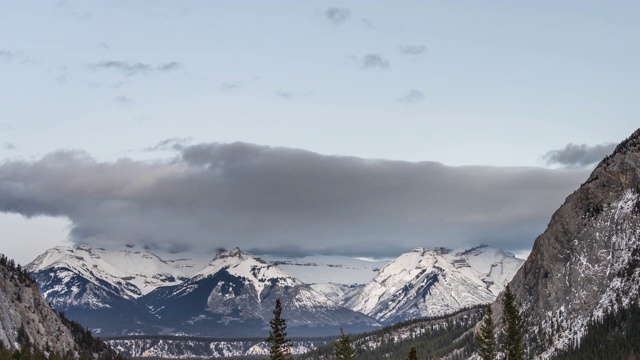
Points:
371	61
133	68
337	15
278	199
577	156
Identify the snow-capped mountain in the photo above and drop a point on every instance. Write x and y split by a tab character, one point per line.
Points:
132	291
427	282
130	273
239	291
101	288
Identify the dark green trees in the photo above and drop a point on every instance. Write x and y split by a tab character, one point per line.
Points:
344	349
280	344
413	353
512	327
487	348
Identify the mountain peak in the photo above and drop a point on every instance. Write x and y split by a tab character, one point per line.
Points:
233	253
424	282
632	143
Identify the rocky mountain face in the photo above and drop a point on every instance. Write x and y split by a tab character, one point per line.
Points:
428	282
24	312
132	291
101	288
587	260
236	293
135	292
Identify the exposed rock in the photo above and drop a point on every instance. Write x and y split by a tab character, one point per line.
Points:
22	306
587	259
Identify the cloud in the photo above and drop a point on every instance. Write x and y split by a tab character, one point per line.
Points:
368	24
578	156
414	50
285	94
226	86
270	199
413	96
7	56
124	100
371	61
9	146
173	144
337	15
133	68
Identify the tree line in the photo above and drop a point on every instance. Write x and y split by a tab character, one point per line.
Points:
428	338
487	345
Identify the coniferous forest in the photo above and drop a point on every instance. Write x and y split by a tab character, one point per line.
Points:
432	338
89	347
615	336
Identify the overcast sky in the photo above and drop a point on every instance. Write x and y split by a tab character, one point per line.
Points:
300	127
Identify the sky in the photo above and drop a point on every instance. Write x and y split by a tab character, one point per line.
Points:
360	128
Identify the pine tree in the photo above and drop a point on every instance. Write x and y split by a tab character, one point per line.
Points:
413	353
280	344
512	328
343	348
487	348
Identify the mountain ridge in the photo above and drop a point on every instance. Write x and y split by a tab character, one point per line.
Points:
234	289
431	282
586	261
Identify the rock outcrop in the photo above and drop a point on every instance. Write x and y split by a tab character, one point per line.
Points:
24	312
587	260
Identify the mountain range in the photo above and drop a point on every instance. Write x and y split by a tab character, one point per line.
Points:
583	268
132	291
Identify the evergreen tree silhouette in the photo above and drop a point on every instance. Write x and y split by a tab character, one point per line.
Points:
487	347
512	322
344	349
280	344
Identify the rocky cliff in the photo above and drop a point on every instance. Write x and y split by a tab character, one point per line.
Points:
586	261
24	312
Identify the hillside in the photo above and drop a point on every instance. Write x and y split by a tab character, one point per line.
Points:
28	325
443	337
585	264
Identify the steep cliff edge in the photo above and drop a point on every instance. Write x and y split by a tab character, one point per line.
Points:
24	312
587	260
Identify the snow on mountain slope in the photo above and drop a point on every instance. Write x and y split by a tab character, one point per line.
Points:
329	269
336	292
433	282
239	290
129	273
237	263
